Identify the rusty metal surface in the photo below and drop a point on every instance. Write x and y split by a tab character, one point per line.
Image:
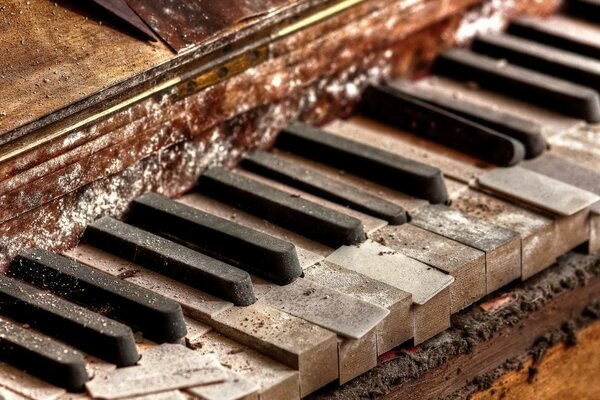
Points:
183	23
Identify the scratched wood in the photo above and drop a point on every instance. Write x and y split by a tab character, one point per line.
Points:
50	57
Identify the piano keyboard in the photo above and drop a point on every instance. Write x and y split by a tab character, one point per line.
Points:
304	264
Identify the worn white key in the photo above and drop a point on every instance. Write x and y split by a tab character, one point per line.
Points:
502	246
464	263
275	380
581	146
26	385
234	387
397	327
355	321
162	368
338	312
195	329
170	395
537	190
428	286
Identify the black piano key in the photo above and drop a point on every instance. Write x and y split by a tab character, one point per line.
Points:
171	259
312	220
586	9
312	181
546	59
544	90
398	173
526	132
160	319
555	35
77	326
260	254
42	357
396	107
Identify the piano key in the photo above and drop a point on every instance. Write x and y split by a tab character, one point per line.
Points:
556	94
405	201
42	357
308	250
586	9
356	356
312	220
584	178
392	105
525	131
195	330
194	303
538	190
312	181
350	350
179	368
171	259
74	325
465	264
275	380
550	123
566	171
170	395
546	59
370	224
561	32
28	386
580	146
539	234
397	327
159	318
234	387
285	338
260	254
428	286
452	163
290	340
502	246
340	313
371	163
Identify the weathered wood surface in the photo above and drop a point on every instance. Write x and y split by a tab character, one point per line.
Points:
564	372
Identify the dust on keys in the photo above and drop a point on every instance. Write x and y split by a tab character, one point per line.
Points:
303	264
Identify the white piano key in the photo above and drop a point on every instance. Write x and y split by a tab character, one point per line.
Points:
428	286
538	190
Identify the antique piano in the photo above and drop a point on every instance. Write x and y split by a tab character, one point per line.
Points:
284	199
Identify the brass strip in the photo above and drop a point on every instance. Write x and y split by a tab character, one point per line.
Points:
58	133
226	70
315	18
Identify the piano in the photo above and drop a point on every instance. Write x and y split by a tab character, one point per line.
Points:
280	199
